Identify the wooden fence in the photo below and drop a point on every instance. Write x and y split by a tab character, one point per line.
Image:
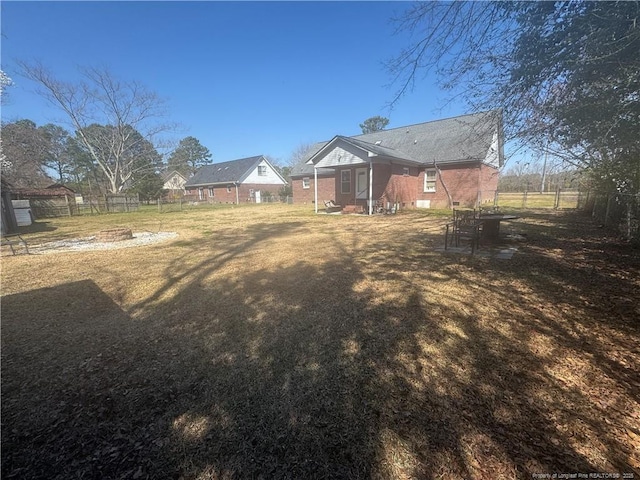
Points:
560	199
67	205
53	206
111	203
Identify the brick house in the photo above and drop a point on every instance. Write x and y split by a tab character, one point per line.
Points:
438	164
236	181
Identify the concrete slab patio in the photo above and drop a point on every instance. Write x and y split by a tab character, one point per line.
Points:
500	253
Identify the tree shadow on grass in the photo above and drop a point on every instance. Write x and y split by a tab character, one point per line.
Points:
302	370
38	226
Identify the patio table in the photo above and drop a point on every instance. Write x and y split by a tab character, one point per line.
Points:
491	225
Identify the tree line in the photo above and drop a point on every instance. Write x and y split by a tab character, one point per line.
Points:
36	156
113	143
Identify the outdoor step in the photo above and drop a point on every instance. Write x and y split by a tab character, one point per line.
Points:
353	209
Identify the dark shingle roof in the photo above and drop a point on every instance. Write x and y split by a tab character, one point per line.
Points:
450	140
224	172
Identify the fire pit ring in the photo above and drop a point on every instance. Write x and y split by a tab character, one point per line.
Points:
114	235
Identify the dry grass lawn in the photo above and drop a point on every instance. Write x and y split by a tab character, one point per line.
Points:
268	342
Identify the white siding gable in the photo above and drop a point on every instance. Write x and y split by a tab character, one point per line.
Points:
342	155
175	182
270	176
493	154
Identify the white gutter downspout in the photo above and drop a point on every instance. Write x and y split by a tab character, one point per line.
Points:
370	186
237	197
315	187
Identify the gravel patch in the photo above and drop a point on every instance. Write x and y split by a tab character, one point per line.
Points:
90	243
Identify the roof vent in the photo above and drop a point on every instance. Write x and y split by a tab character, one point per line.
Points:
378	142
415	141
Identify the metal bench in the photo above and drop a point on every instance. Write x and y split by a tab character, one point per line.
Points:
13	239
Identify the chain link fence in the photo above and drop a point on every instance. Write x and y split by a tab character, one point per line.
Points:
186	203
620	211
617	211
560	199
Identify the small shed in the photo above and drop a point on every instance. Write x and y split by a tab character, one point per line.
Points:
53	201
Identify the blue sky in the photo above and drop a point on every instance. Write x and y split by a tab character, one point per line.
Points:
245	78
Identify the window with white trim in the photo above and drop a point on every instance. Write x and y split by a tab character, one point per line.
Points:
211	192
345	181
306	182
262	170
201	194
430	177
405	171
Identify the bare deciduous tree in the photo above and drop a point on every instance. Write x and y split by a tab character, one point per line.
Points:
126	108
298	154
564	73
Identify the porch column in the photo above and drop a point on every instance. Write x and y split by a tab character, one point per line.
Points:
370	187
315	187
237	197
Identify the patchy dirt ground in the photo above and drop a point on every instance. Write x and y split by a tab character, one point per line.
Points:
90	243
270	343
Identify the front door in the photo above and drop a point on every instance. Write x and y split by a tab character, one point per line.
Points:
362	184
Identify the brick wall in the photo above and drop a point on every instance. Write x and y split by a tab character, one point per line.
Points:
464	183
305	196
227	194
489	177
400	184
391	183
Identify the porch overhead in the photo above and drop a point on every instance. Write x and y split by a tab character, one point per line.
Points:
345	151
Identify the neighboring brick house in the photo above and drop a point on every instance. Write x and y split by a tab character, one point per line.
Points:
237	181
438	164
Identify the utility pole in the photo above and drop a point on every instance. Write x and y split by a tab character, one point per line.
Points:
544	166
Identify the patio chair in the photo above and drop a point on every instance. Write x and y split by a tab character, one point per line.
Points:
332	207
465	227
